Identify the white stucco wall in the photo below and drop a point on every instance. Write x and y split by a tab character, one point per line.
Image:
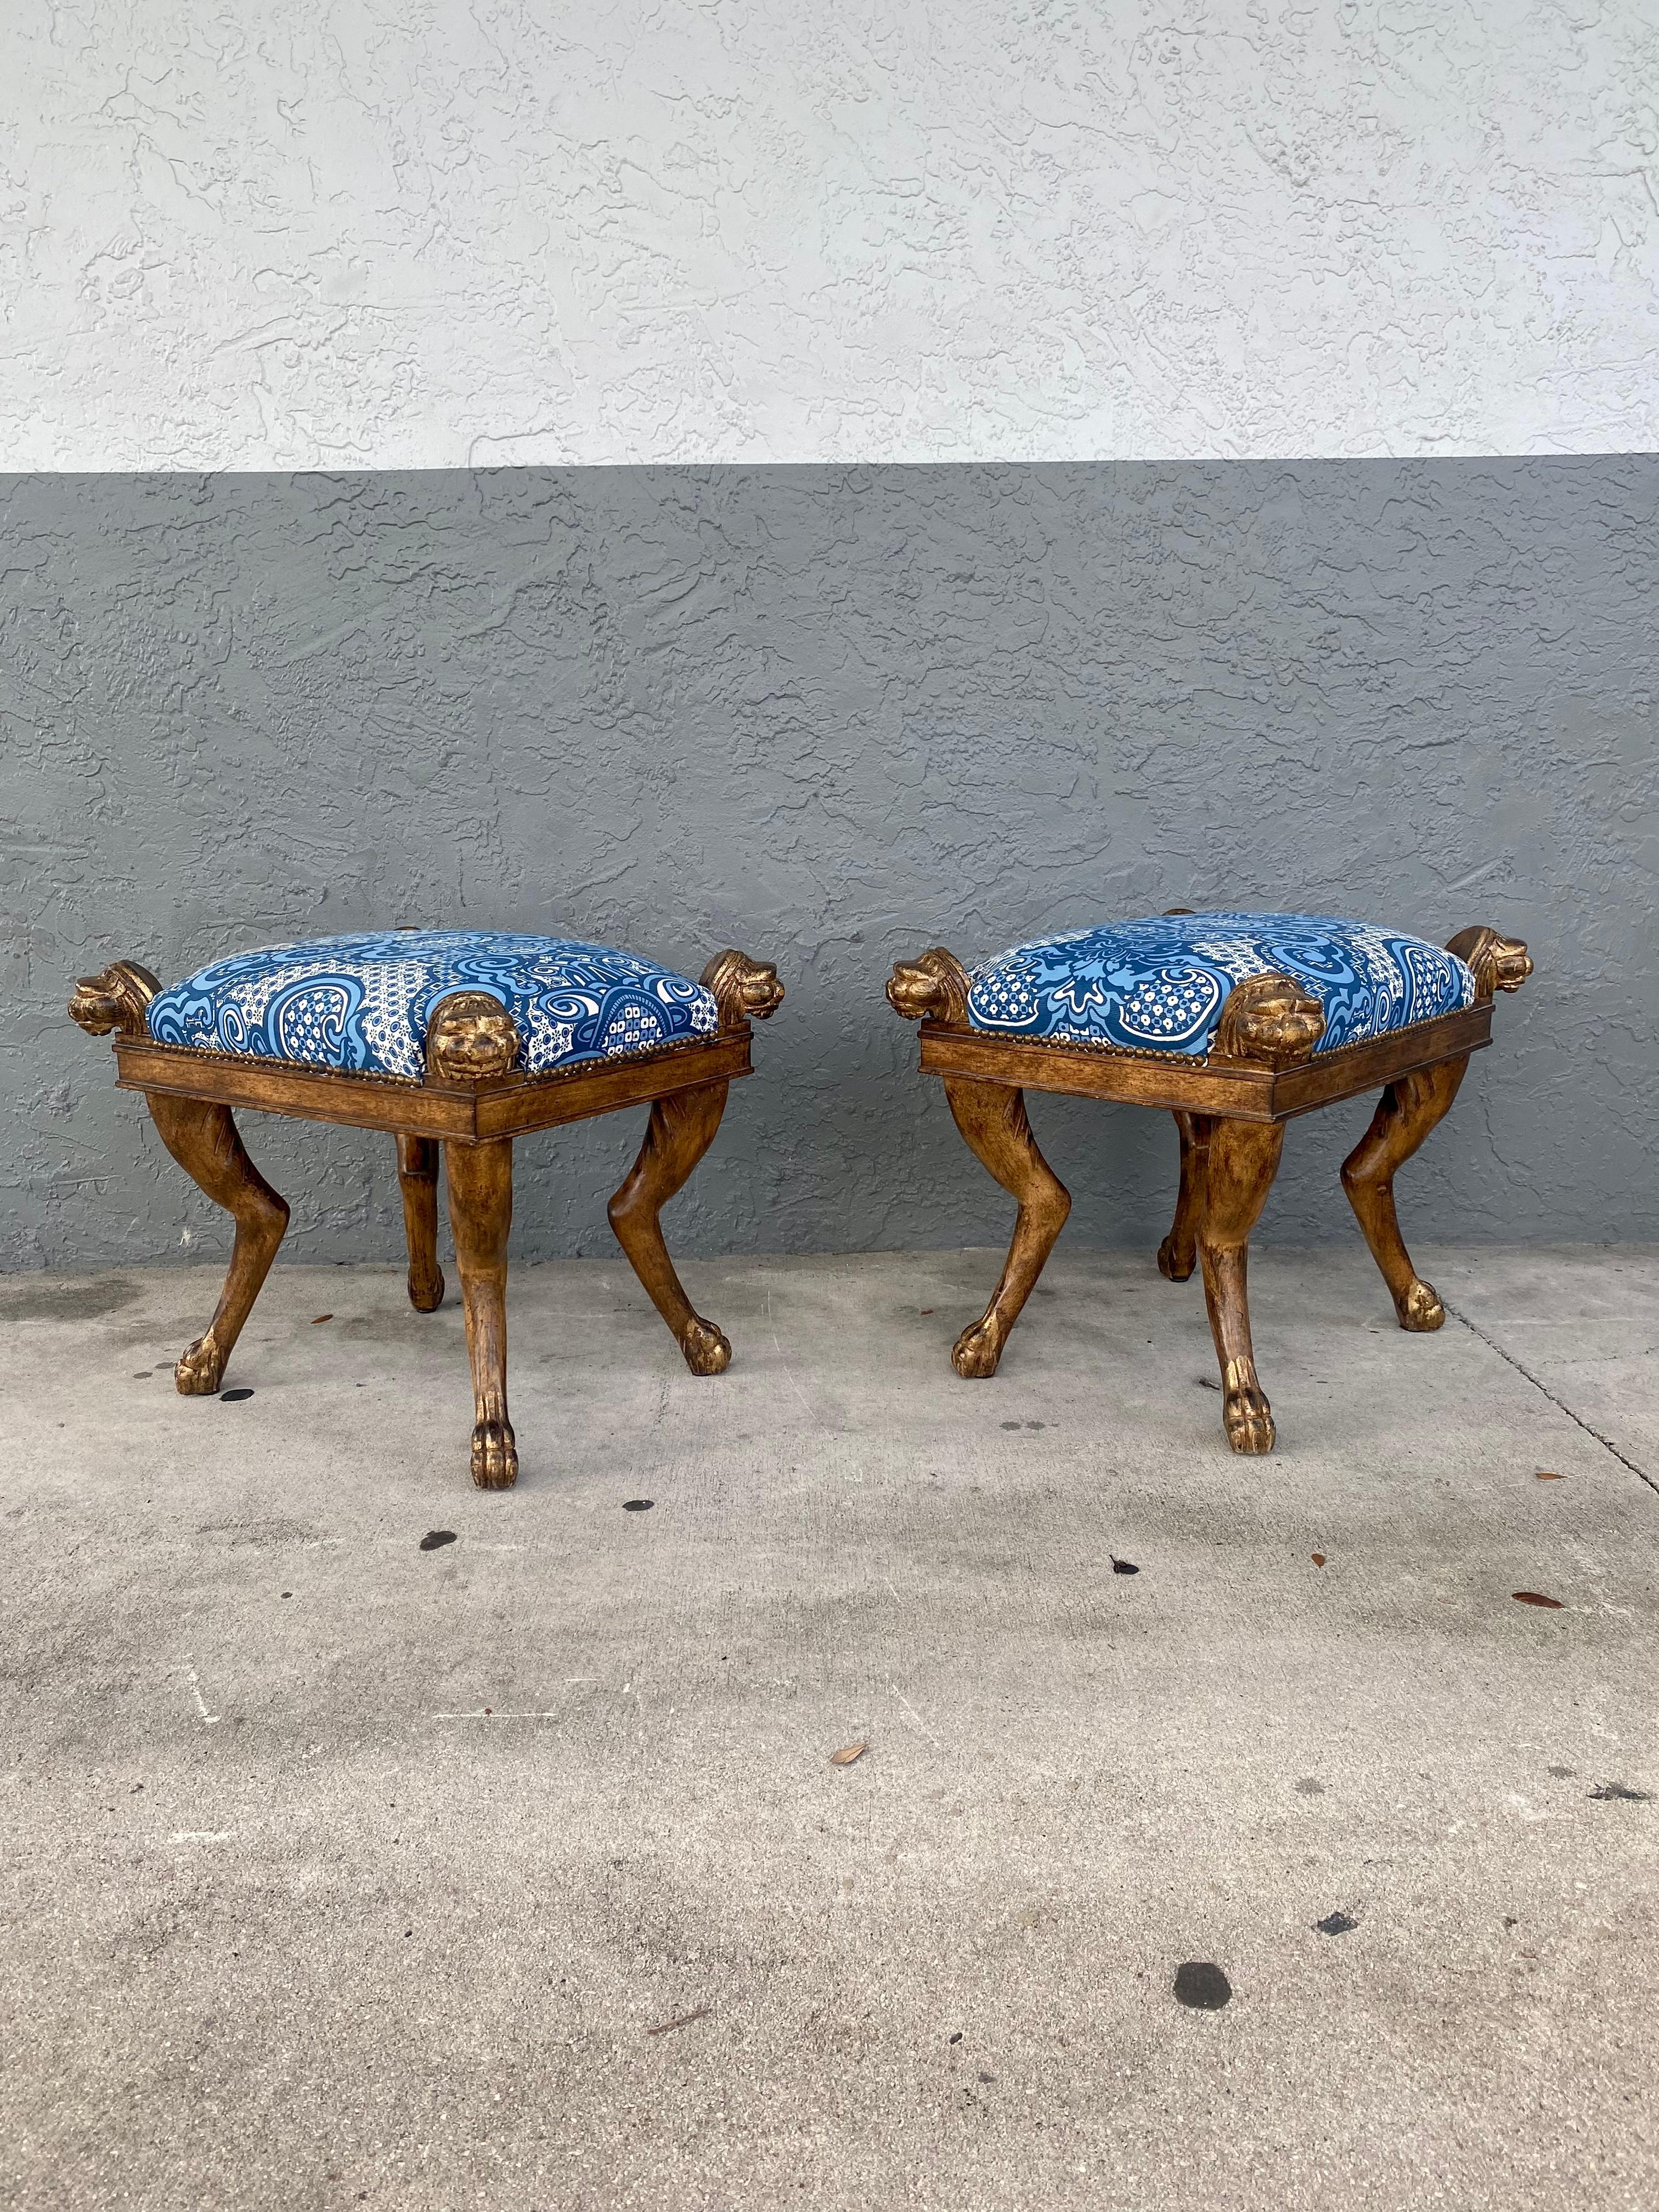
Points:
274	233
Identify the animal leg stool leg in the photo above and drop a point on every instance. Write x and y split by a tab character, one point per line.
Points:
1177	1255
1409	1108
1243	1160
681	1129
480	1178
203	1139
418	1174
992	1119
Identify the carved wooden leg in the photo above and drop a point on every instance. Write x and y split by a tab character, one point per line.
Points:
680	1131
203	1139
417	1173
1407	1112
1243	1159
480	1214
1177	1255
992	1118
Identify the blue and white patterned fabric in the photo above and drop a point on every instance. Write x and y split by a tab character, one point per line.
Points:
363	1003
1158	985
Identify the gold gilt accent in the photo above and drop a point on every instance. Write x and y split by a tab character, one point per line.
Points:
1500	964
933	984
744	990
1271	1019
117	999
471	1038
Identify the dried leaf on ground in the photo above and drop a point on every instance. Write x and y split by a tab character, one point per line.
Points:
1318	1558
317	1319
1543	1474
1536	1597
847	1754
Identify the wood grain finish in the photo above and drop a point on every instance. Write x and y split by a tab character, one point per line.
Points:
1240	1163
1177	1255
993	1121
1240	1088
679	1133
202	1137
1408	1110
417	1177
511	1108
480	1178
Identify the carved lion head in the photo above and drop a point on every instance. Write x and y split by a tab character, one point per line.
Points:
471	1039
1271	1018
117	999
933	984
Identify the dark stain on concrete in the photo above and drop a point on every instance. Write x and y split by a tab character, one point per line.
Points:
80	1300
1201	1984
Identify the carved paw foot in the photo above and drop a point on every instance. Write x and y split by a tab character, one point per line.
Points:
1420	1307
200	1370
978	1350
706	1351
494	1455
426	1292
1175	1265
1245	1412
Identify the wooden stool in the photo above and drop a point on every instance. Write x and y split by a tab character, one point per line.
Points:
456	1037
1234	1023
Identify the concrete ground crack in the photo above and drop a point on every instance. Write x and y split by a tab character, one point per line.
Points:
1606	1443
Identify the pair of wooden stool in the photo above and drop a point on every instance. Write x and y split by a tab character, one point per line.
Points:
1232	1022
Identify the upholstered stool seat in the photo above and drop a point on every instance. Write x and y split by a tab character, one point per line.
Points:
363	1003
1159	984
458	1039
1235	1021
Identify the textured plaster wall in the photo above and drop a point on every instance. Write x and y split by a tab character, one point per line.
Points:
834	716
434	233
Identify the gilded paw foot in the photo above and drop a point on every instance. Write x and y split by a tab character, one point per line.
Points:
1175	1265
494	1455
706	1351
1420	1307
426	1292
978	1350
201	1369
1245	1412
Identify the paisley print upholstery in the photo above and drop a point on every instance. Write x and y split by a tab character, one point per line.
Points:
1158	984
363	1003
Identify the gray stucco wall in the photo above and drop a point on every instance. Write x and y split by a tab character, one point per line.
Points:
833	715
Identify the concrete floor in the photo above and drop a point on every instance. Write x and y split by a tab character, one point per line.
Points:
339	1871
